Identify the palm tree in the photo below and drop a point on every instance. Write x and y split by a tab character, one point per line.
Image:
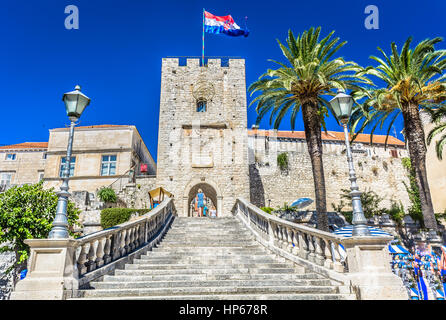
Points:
413	83
438	117
300	85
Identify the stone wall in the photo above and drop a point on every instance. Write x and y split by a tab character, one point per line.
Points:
376	169
6	280
26	168
135	195
436	169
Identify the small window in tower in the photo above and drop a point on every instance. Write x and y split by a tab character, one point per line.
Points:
201	105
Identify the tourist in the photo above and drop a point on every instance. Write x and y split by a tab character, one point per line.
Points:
200	202
213	212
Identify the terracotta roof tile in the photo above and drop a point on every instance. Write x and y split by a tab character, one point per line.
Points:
329	136
26	145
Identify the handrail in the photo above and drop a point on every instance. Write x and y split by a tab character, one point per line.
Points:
124	175
102	248
305	243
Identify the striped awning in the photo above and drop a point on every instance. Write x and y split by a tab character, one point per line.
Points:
414	293
347	231
397	249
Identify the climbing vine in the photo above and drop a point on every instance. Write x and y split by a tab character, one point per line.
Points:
413	192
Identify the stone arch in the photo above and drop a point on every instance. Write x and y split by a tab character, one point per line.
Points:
211	190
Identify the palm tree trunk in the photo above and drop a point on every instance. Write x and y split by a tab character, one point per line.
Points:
414	134
312	124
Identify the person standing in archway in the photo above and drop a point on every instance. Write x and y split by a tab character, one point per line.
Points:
200	201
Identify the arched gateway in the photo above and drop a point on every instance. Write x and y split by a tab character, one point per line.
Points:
210	189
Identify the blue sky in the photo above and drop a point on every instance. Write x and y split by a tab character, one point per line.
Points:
116	53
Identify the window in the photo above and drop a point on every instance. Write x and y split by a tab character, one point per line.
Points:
63	164
41	174
394	153
44	156
108	165
5	179
201	105
10	156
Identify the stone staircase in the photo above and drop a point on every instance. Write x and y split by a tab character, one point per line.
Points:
202	258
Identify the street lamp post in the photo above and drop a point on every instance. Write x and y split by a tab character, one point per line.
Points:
342	107
75	103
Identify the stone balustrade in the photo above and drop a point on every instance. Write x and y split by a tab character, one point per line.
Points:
57	268
366	270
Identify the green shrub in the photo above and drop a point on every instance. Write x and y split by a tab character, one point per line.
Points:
282	161
27	212
414	210
396	212
267	209
370	202
107	194
113	216
348	215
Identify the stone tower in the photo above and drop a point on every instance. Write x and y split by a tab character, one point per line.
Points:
202	140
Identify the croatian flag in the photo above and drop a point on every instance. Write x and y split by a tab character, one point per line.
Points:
222	25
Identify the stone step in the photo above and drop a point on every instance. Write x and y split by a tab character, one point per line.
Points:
214	271
121	292
205	238
207	283
144	265
223	228
201	244
210	276
210	252
210	259
259	296
211	235
202	258
207	257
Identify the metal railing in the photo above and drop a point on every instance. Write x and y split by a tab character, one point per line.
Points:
123	180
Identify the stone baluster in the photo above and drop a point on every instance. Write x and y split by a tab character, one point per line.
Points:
319	254
77	255
116	246
282	237
275	234
337	265
131	239
328	263
100	252
311	254
107	249
146	231
128	234
289	232
140	235
91	256
303	246
296	247
83	259
122	244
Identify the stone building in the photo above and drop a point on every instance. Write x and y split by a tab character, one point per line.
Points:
22	163
436	170
378	169
202	141
102	155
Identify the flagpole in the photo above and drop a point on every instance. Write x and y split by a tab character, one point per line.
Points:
202	50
